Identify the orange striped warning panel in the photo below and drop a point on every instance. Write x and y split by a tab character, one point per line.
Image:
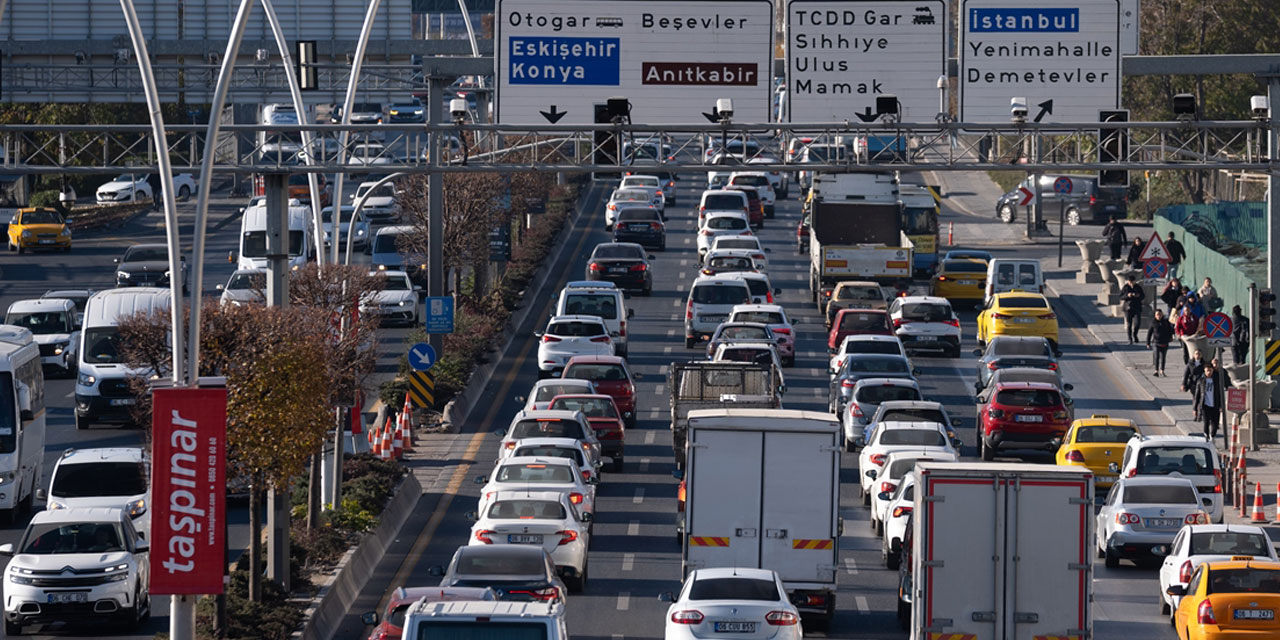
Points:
810	544
708	541
1055	637
953	636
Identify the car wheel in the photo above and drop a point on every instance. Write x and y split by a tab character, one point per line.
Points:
21	249
892	560
848	445
82	423
866	495
138	195
1073	216
617	465
12	629
789	362
1112	560
578	583
987	452
904	615
689	343
1165	609
1006	213
184	192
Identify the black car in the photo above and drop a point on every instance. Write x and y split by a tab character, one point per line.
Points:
641	225
1003	352
625	264
411	112
146	265
1085	203
516	573
865	365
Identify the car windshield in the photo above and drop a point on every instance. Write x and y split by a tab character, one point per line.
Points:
721	294
247	281
763	317
396	283
549	391
605	372
146	254
255	244
547	428
753	181
872	346
726	223
638	215
590	407
1189	461
101	346
619	251
484	565
1020	348
733	589
549	451
913	437
40	322
1246	580
876	365
744	333
41	216
576	329
914	415
535	472
1104	433
745	354
526	510
1180	493
77	537
964	266
856	321
630	195
385	243
99	479
723	201
1229	543
926	312
486	629
737	243
877	393
604	305
859	293
1024	302
920	220
1028	397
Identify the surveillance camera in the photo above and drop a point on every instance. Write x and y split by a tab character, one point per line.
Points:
1261	107
724	106
1018	107
458	108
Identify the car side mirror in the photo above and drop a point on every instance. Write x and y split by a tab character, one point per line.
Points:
1057	354
369	618
977	352
768	250
630	313
586	517
777	291
1175	590
481	479
956	423
219	287
141	546
915	371
1113	468
1068	400
593	480
871	473
472	516
538	334
861	442
115	260
665	596
435	570
41	494
884	495
977	387
1056	442
1068	387
650	257
6	549
637	376
831	350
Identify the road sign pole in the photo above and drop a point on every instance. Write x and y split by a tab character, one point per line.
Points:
1253	362
1062	219
435	202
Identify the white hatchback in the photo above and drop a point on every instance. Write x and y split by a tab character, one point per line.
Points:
776	318
721	223
533	473
623	198
751	243
927	438
114	477
1192	457
569	336
926	323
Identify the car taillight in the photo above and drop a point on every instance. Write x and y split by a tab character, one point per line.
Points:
1127	518
622	329
745	232
706	232
768	297
1204	615
781	618
586	475
1052	366
847	384
1074	456
595	266
511	445
1184	574
1000	316
1195	518
1217	482
483	536
786	330
640	267
955	322
575	498
942	278
1093	200
1048	316
612	207
609	434
757	256
688	311
658	192
681	494
547	338
687	616
656	226
898	512
600	339
567	536
813	600
826	294
898	322
992	366
995	413
877	459
855	410
887	486
1132	472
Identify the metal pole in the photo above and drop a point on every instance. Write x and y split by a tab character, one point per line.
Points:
347	102
1253	362
277	204
1062	218
359	206
471	32
435	201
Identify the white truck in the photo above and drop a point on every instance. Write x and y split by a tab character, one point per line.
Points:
716	385
855	232
1002	552
22	420
762	490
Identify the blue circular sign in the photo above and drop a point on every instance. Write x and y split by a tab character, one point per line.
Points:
1063	185
421	356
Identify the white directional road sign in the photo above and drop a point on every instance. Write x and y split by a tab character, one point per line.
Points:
842	54
672	59
1063	56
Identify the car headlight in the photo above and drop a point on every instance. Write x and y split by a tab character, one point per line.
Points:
66	231
404	303
54	505
118	573
60	347
6	478
26	233
86	379
20	575
123	275
359	232
137	507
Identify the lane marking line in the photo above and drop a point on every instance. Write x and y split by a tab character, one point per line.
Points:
862	604
628	561
633	529
636	500
850	566
624	600
650	435
644	465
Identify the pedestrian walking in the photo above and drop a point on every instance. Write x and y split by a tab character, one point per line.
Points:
1192	302
1172	293
1239	336
1158	337
1176	254
1184	327
1209	400
1191	379
1134	259
1132	297
1116	237
1209	296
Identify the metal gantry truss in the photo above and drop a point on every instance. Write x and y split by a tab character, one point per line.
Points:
195	80
244	149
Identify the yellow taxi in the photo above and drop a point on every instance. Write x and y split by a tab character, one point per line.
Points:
1232	599
961	280
1094	443
1018	313
38	228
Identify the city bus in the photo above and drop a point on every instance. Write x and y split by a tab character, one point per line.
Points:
920	223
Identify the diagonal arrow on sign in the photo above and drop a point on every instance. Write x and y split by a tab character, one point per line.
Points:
1046	107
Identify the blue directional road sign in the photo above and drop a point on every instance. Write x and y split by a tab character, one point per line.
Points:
1063	185
1217	328
421	356
439	314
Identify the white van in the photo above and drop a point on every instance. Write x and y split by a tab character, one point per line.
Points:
253	235
22	419
55	326
480	620
711	300
102	389
1007	274
597	298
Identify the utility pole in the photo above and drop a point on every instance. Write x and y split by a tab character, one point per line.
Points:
435	199
277	201
1253	362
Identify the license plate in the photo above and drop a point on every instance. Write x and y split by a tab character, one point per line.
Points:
720	318
524	538
638	227
617	269
67	598
1254	614
735	627
968	283
1161	523
1024	320
1241	558
1028	418
122	402
925	338
46	242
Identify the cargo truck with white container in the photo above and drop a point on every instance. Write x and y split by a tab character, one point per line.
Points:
1001	552
762	490
703	384
855	232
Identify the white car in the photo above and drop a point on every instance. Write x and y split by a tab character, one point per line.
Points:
776	318
539	518
897	466
721	223
925	438
926	323
857	344
1192	457
566	448
111	477
184	184
751	243
243	287
623	198
396	303
1199	543
367	154
532	473
544	391
726	261
550	423
779	180
359	229
126	187
762	291
731	602
54	326
379	206
651	184
601	299
722	201
1142	515
569	336
896	520
710	300
44	582
759	180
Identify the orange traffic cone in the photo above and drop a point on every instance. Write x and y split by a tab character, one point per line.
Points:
397	442
1278	502
375	441
385	444
406	422
1258	515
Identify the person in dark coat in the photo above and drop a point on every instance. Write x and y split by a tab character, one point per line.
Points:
1172	293
1191	379
1239	336
1134	259
1116	237
1176	254
1132	296
1209	400
1159	336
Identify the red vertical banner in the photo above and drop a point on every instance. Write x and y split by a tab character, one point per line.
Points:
188	490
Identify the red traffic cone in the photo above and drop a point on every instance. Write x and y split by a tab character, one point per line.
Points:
375	441
385	444
397	442
406	423
1258	515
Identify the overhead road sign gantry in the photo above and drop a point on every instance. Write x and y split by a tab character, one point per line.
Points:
841	54
557	59
1062	56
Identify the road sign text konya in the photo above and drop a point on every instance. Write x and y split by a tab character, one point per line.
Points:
671	59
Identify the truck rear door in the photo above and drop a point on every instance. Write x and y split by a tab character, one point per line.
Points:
1048	575
722	509
957	572
801	501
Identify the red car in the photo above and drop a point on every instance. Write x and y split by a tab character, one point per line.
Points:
605	419
802	234
858	322
611	377
1022	415
392	625
755	207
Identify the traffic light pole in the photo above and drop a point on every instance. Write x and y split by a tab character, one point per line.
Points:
1253	362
